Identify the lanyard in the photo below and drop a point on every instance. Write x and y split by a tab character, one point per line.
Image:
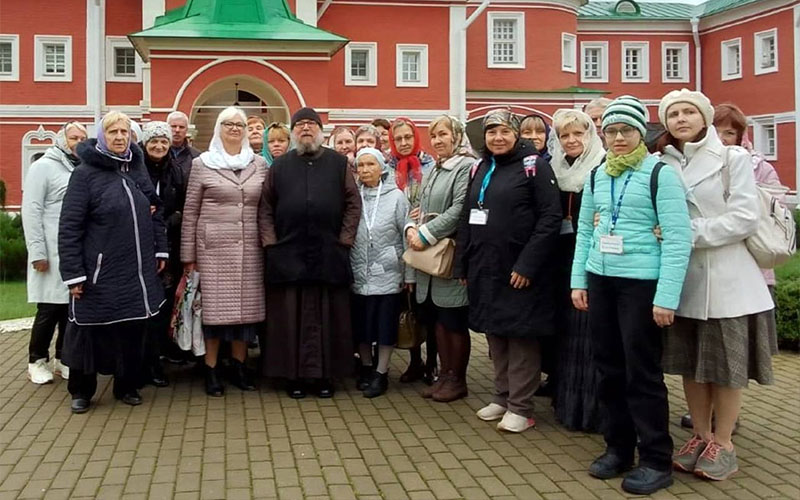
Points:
370	221
618	205
485	184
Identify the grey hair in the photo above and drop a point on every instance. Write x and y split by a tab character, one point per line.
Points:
600	102
177	114
306	149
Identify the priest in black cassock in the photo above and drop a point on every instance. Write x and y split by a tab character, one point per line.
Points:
309	214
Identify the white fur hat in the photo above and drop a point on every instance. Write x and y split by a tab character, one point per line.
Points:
697	99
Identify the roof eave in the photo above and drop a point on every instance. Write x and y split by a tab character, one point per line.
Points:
145	44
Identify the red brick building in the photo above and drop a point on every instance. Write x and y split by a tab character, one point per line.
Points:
355	60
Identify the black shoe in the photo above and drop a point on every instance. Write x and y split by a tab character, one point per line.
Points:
414	372
644	480
686	421
325	389
377	386
79	405
213	386
364	377
609	465
239	376
296	390
132	398
157	377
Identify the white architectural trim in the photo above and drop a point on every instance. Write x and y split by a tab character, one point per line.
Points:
372	64
458	61
13	76
306	11
419	116
760	127
569	52
422	50
29	149
112	43
603	46
758	54
95	56
744	14
725	61
263	58
520	41
684	68
629	27
224	59
644	76
39	41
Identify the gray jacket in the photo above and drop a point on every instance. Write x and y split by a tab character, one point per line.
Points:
377	255
444	189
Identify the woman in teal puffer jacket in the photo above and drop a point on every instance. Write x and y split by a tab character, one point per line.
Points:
631	285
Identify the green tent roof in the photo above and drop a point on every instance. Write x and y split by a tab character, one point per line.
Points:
644	11
257	20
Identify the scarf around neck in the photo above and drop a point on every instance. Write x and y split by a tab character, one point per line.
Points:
617	164
410	164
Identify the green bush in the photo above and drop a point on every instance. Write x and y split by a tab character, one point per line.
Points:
787	297
13	254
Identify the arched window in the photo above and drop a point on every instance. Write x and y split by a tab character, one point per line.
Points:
34	144
627	7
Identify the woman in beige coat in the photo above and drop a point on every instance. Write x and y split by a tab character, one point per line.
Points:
220	240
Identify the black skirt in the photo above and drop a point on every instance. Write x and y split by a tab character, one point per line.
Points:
115	349
230	333
376	318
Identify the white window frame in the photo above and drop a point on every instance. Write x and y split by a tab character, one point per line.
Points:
372	64
39	42
760	126
684	68
757	39
14	75
603	46
569	58
645	62
519	17
422	50
725	61
114	42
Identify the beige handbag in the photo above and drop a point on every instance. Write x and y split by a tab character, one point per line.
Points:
436	260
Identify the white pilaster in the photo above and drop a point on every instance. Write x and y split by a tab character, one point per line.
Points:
307	11
150	10
797	102
458	62
95	56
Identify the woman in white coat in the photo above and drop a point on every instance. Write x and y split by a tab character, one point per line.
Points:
724	331
45	185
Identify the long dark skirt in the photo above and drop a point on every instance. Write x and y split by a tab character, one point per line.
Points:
115	349
308	332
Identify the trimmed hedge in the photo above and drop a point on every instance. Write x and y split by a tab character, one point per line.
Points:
13	253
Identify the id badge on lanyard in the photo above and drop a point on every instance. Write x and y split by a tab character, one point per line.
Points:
480	216
611	243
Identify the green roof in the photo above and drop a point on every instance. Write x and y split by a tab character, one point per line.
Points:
566	90
645	11
262	20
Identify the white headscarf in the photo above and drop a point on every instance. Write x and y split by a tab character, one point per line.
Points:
216	157
572	177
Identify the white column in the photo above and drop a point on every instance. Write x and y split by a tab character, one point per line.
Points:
95	60
307	11
797	102
458	62
150	10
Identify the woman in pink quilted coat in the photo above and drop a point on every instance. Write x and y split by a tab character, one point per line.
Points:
220	239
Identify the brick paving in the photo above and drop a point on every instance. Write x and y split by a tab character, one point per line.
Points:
181	444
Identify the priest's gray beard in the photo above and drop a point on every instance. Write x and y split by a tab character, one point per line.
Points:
310	149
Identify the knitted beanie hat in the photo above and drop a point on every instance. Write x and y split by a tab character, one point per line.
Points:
306	114
151	130
697	99
628	110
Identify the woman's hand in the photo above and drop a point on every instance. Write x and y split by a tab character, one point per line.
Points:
580	299
409	287
596	219
41	265
189	267
414	240
152	209
657	232
76	291
519	281
160	265
462	281
663	317
414	213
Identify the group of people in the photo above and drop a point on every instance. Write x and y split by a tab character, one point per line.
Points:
578	248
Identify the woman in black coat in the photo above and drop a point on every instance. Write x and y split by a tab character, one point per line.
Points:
112	244
508	230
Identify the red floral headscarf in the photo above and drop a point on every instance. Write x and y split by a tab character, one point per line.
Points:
406	164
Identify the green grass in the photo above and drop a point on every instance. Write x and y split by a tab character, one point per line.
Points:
14	301
790	270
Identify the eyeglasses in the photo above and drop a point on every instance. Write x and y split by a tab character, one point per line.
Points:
611	133
305	123
233	125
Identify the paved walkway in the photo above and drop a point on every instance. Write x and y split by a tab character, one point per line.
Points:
182	444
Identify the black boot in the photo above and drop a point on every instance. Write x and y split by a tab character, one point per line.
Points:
377	386
213	385
157	377
364	377
239	376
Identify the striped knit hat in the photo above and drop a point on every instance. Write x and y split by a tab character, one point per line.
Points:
629	110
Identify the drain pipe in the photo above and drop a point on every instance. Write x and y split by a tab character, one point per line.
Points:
698	55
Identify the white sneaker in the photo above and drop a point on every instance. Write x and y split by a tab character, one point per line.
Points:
60	368
39	372
515	423
492	411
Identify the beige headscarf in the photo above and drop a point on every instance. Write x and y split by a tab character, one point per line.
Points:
572	178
